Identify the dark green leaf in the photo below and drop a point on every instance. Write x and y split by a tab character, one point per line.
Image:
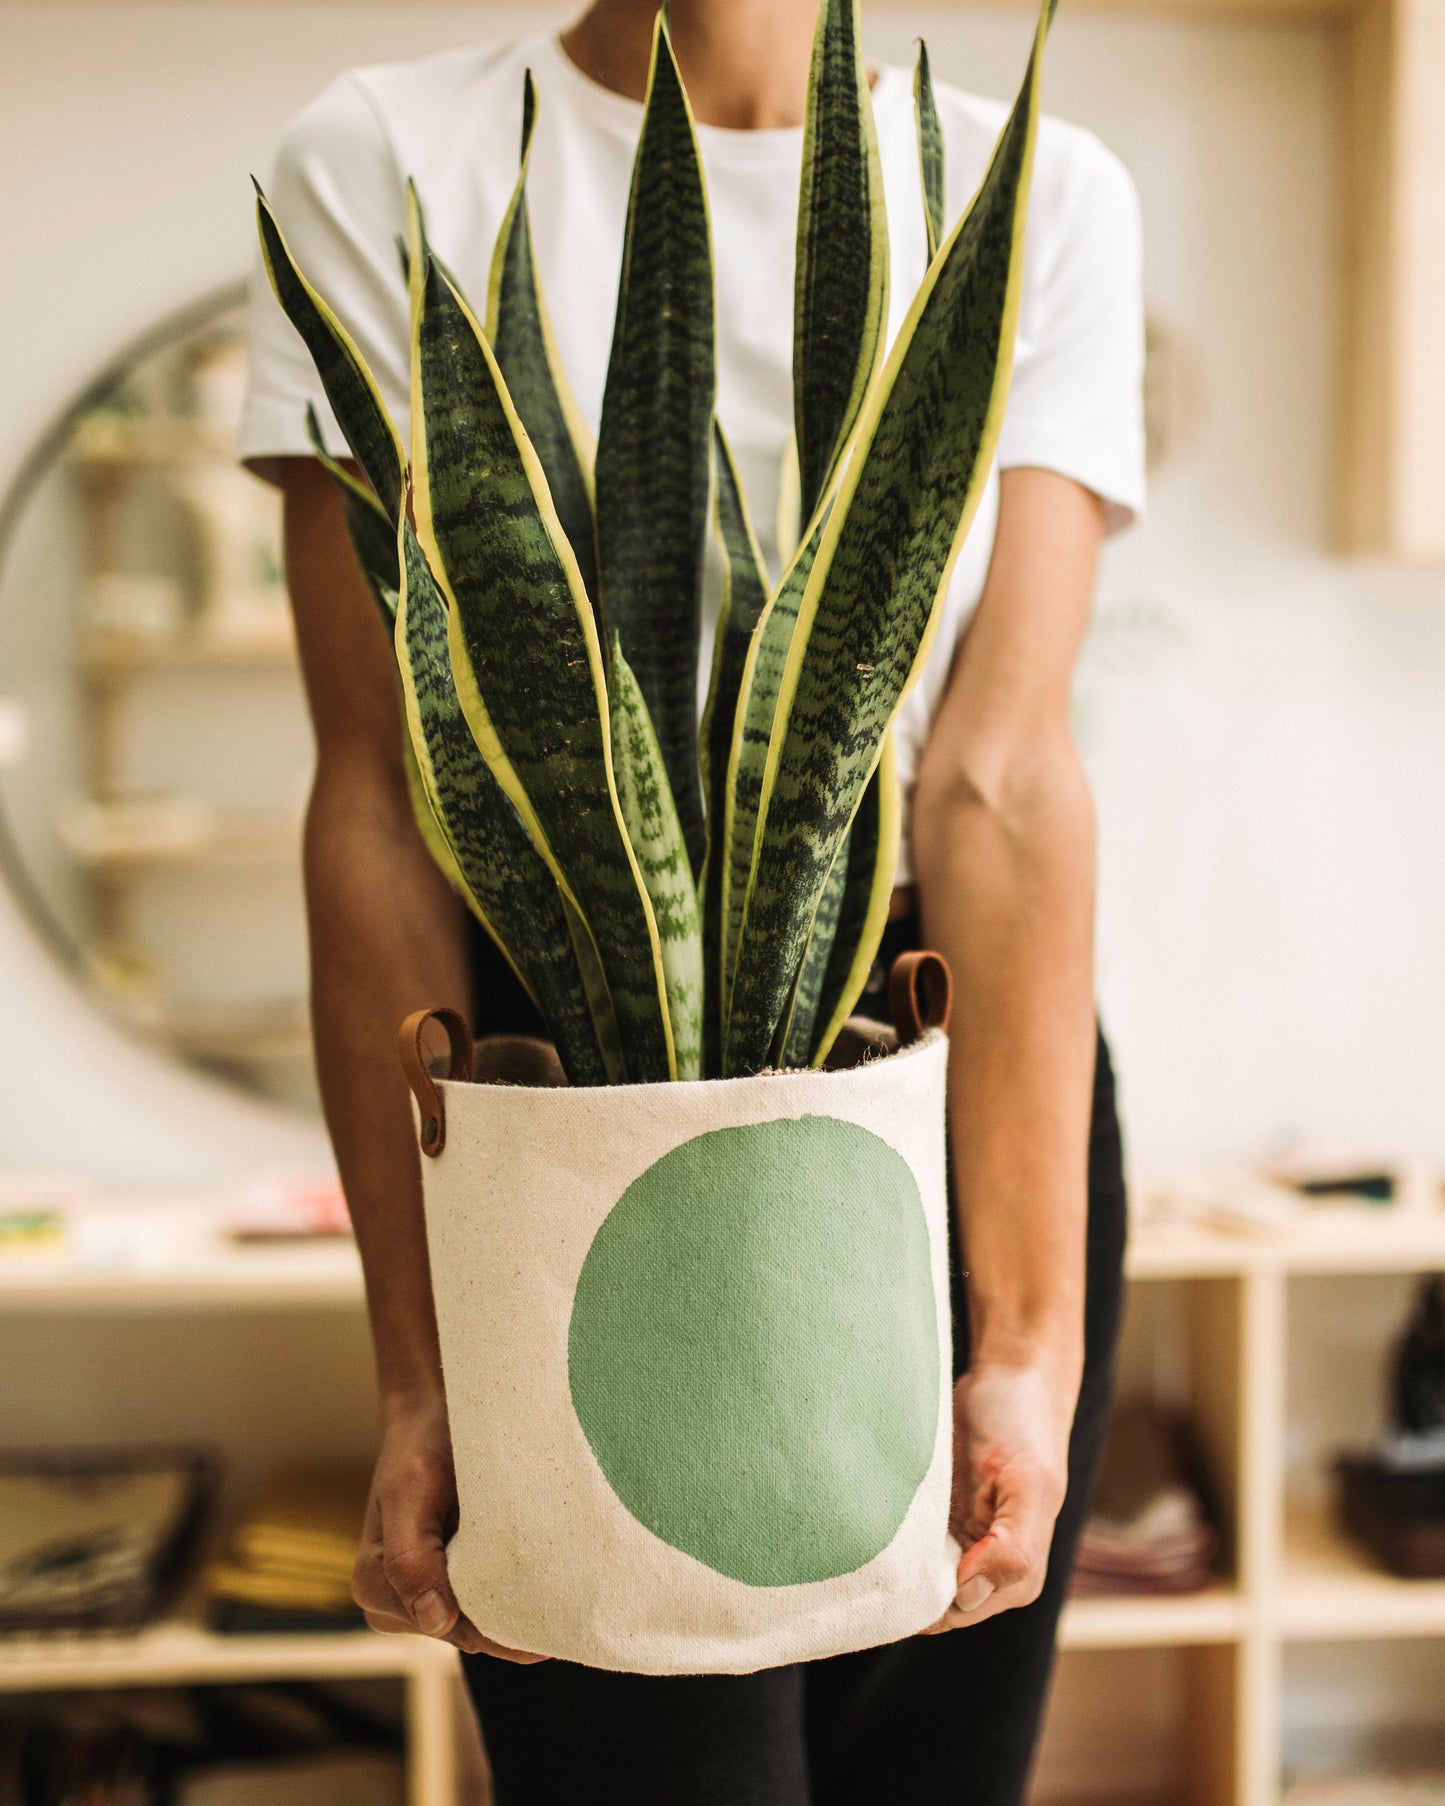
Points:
930	150
654	445
840	302
521	337
868	613
507	882
525	653
354	397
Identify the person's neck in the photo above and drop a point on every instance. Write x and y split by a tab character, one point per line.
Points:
744	62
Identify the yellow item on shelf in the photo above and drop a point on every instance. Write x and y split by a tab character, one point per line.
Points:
295	1549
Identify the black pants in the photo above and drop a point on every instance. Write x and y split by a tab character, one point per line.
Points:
925	1722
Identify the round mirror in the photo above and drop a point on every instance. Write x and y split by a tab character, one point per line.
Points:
154	747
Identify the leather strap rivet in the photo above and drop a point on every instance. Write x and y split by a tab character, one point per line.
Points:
431	1107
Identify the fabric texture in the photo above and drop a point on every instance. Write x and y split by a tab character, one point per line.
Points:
452	121
927	1720
695	1340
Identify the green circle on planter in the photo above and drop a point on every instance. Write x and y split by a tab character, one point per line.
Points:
753	1351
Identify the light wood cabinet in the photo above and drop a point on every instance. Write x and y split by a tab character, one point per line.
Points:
1200	1678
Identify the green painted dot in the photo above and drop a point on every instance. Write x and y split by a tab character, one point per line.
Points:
753	1352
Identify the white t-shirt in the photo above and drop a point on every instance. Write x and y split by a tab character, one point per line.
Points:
452	122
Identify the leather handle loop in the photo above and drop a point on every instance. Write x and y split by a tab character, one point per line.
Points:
920	994
423	1086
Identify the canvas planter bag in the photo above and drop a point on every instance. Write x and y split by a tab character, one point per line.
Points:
696	1347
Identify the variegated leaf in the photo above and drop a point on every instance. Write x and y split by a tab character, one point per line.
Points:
353	394
505	879
524	649
653	447
745	595
840	300
372	535
763	669
868	613
930	150
872	848
656	835
521	337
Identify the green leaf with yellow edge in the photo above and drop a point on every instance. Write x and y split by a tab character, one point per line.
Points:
504	878
656	836
930	150
372	535
524	649
654	444
763	669
868	614
744	597
840	298
872	863
353	394
521	337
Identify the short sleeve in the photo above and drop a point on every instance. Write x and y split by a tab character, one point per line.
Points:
1076	405
340	203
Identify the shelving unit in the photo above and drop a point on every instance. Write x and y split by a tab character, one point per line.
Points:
1293	1578
1287	1577
185	1653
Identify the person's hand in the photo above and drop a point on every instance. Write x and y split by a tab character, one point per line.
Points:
1010	1470
400	1578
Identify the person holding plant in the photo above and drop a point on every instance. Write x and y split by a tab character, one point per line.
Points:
996	870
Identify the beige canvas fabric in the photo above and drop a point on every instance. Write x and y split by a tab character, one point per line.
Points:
697	1358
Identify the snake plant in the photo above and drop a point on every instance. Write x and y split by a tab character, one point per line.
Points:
684	893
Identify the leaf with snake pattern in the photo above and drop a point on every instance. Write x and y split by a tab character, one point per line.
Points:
867	617
524	649
840	294
521	336
655	440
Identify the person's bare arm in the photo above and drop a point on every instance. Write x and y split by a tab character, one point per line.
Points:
387	937
1003	848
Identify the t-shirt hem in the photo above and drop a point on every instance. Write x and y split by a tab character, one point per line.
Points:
1116	480
271	428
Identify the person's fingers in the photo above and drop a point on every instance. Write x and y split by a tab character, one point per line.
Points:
374	1585
414	1564
1004	1567
369	1586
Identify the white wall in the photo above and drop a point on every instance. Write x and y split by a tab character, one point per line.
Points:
1263	720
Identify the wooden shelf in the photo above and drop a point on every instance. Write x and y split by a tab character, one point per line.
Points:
1331	1589
235	837
179	1653
1406	1237
156	1256
104	440
1215	1615
113	656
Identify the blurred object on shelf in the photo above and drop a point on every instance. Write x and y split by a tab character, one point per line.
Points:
31	1231
143	605
138	826
95	1539
1419	1371
288	1207
1400	1788
1175	392
288	1565
1240	1201
336	1778
1392	1498
1149	1529
1333	1175
1397	1514
274	1744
